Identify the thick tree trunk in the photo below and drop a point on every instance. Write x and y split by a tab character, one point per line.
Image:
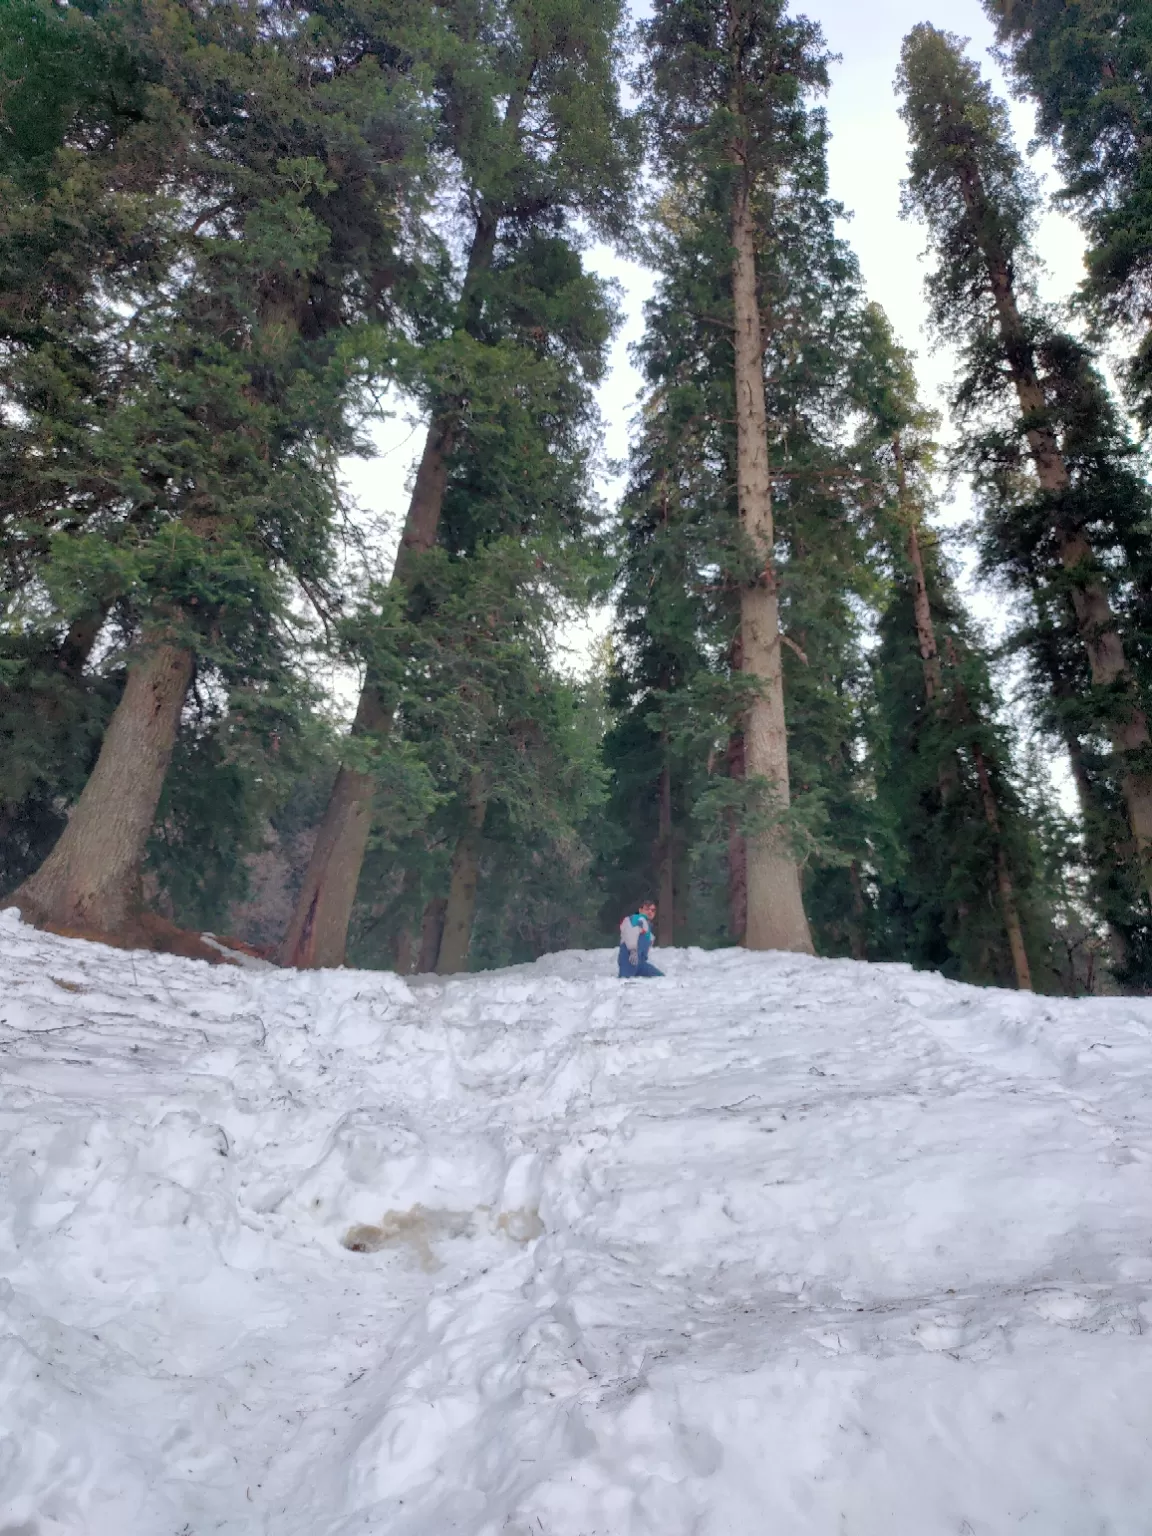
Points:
948	777
776	917
921	606
463	887
91	879
1008	908
1106	854
1095	620
78	643
925	629
858	928
431	933
737	852
666	895
317	933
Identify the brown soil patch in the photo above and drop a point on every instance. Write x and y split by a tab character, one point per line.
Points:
148	931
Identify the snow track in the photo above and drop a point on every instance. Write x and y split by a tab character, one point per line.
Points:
775	1246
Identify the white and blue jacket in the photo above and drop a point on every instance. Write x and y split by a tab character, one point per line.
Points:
632	930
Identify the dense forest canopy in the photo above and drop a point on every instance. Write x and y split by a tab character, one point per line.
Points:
234	232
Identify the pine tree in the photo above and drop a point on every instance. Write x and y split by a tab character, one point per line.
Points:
533	122
267	289
1088	67
677	751
475	697
79	231
728	85
1072	548
676	621
946	767
459	654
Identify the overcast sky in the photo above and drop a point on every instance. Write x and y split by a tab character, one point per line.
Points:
867	159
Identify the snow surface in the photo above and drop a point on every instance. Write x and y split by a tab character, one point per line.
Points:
775	1245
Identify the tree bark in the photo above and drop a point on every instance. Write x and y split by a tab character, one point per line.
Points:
317	933
858	927
77	645
737	852
776	917
1103	853
1008	908
463	887
91	879
948	776
922	607
431	933
1094	617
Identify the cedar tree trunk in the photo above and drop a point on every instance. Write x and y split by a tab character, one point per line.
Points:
431	933
776	917
317	934
463	888
91	879
737	851
1008	907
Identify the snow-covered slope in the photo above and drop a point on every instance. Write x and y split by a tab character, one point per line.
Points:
772	1246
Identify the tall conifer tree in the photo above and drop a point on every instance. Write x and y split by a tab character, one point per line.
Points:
728	84
943	769
285	250
83	229
533	123
1072	543
677	747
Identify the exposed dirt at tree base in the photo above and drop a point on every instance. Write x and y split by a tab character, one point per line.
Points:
147	930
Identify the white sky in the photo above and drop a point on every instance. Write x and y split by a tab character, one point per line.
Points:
867	160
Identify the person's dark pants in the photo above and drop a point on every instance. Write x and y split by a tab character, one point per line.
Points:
641	968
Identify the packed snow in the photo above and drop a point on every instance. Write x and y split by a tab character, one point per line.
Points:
774	1245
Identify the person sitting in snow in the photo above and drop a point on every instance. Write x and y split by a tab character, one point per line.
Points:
635	942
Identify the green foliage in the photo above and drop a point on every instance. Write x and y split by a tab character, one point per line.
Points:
968	183
714	73
226	230
678	682
238	760
51	722
541	148
468	668
210	247
1088	68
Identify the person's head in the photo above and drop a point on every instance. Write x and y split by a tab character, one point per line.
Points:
647	909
